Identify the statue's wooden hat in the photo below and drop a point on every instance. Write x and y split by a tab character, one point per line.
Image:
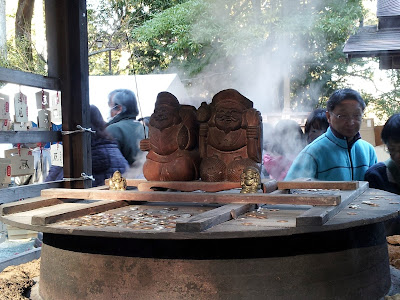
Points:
166	98
231	95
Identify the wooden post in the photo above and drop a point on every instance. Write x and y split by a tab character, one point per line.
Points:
66	30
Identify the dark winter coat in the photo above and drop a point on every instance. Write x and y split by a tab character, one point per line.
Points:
378	179
106	159
127	132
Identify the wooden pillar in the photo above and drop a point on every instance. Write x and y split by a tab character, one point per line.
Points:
66	30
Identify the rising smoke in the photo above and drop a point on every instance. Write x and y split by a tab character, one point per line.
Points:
258	45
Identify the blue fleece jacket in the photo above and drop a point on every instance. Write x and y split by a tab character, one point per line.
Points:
331	158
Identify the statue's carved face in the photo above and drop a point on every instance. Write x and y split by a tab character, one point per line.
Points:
228	118
164	116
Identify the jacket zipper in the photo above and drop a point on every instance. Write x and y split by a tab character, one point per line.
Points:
351	162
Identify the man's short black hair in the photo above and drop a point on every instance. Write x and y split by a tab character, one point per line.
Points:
391	130
344	94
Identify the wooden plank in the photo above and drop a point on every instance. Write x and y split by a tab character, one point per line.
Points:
212	217
269	185
28	204
340	185
29	79
188	186
318	216
16	193
88	194
76	211
31	136
129	182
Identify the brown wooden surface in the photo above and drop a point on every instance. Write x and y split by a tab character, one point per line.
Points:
340	185
188	186
66	32
212	217
28	204
281	220
269	185
129	182
75	211
318	216
88	194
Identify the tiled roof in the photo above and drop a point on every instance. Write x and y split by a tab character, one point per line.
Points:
388	8
368	41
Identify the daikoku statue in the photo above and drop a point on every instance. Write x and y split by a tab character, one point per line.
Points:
230	136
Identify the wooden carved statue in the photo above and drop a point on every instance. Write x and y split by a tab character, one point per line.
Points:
230	136
173	141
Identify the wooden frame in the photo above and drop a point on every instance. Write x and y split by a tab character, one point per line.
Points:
317	207
66	32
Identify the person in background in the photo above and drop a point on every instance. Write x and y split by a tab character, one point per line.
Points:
287	142
106	157
386	175
268	135
123	125
340	153
316	124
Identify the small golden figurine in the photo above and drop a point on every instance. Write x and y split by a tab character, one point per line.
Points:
117	182
250	180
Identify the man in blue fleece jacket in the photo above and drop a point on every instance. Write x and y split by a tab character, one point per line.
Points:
339	154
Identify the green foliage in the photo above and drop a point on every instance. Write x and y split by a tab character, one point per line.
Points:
18	59
193	36
111	22
388	103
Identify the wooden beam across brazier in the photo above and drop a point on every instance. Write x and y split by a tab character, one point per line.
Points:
223	198
328	185
212	217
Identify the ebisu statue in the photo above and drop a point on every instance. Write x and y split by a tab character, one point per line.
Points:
173	141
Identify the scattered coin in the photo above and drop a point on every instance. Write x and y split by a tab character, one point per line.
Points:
354	206
247	224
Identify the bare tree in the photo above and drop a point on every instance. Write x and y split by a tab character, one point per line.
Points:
3	32
23	27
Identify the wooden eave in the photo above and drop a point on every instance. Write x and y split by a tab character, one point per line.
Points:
387	8
371	42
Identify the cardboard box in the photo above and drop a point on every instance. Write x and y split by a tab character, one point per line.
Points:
378	132
15	233
367	131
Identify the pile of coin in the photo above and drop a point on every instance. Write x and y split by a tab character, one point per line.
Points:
132	217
